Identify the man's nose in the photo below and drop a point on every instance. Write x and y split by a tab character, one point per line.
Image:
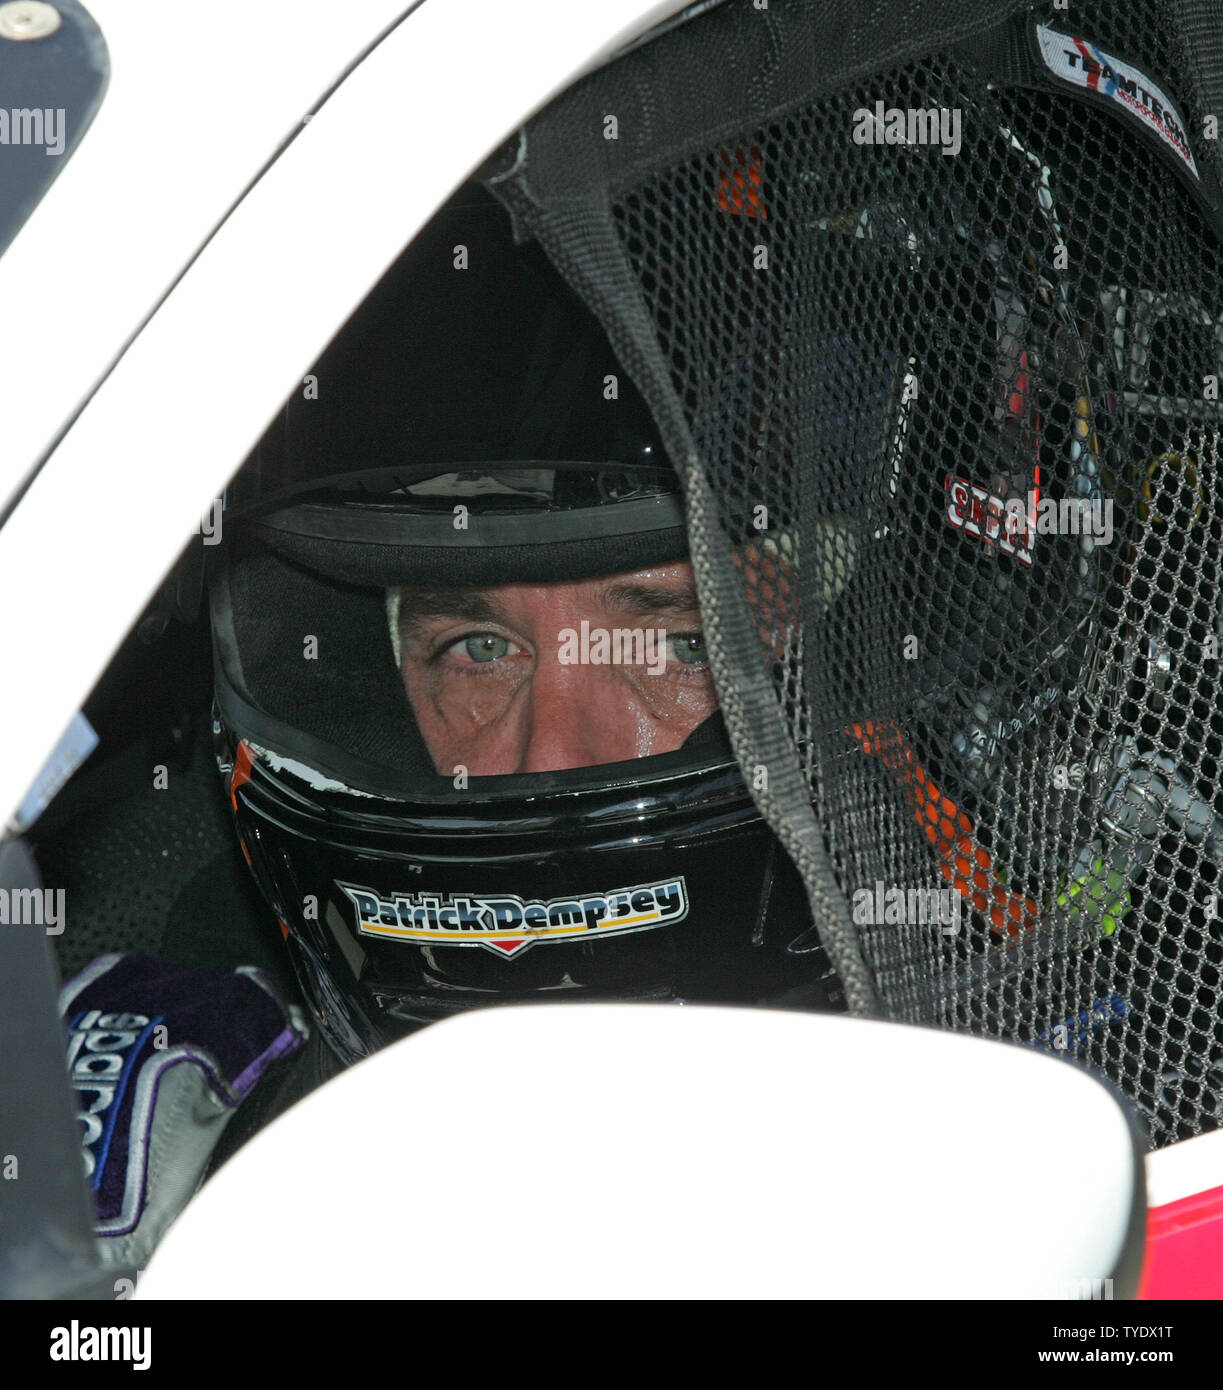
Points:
578	716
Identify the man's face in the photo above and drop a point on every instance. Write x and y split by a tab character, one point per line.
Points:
541	677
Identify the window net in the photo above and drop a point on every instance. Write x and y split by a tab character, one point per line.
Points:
925	300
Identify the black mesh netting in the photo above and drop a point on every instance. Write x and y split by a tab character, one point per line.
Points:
946	409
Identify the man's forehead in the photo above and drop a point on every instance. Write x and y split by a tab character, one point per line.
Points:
657	588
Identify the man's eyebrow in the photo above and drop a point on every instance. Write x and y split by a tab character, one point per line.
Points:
650	598
468	605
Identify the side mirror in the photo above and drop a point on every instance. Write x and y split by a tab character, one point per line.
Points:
645	1151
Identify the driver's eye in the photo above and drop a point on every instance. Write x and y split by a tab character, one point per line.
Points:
688	648
486	646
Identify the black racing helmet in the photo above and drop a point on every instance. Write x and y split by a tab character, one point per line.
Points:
470	429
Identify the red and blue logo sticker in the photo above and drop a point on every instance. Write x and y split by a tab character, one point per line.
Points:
1087	66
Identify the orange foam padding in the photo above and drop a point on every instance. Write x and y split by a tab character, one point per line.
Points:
966	865
739	181
243	762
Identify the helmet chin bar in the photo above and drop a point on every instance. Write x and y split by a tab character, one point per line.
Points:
398	912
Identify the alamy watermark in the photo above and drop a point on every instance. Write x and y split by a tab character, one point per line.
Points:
895	906
617	646
75	1342
1063	516
909	125
209	526
33	907
26	125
